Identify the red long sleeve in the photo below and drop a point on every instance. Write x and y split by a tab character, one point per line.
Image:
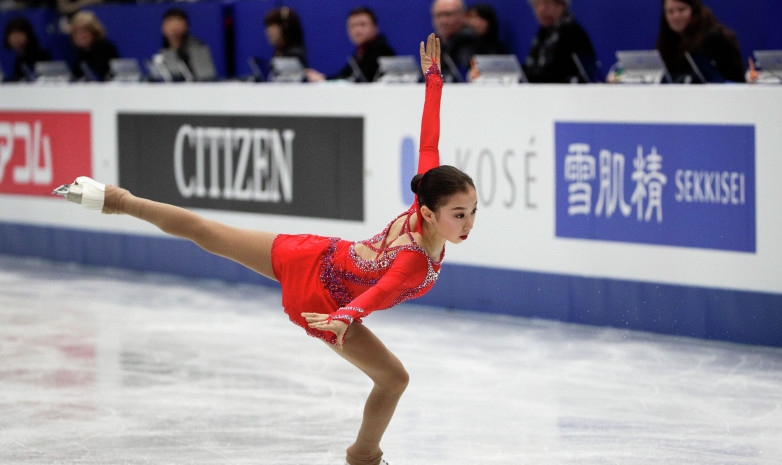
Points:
404	280
429	154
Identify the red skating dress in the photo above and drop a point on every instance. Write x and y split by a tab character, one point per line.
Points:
326	274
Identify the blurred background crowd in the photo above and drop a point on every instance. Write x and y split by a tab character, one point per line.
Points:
555	41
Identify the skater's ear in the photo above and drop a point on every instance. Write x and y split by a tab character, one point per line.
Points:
427	214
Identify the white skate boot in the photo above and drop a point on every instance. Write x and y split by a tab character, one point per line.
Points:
85	191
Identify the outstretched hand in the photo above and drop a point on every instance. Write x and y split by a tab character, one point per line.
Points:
321	321
431	54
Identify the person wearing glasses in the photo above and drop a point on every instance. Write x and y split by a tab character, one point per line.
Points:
458	41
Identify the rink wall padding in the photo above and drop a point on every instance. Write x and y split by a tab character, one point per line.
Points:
716	314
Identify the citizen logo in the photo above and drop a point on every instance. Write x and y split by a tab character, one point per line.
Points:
245	164
306	166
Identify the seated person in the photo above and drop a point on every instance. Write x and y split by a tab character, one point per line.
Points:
482	18
457	39
178	41
370	45
550	58
94	50
20	37
285	34
690	26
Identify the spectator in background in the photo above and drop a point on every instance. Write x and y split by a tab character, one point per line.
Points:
550	58
457	39
94	50
689	26
20	37
285	34
177	38
483	20
370	45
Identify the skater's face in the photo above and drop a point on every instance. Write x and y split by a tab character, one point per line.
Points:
455	219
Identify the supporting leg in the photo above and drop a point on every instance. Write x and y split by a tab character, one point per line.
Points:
364	350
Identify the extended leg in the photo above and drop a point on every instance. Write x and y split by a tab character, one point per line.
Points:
364	350
246	247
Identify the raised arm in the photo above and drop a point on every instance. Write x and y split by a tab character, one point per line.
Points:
429	154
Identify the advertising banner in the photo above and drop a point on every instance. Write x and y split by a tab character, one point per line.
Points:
292	165
39	151
683	185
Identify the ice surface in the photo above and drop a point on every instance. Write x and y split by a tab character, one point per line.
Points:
103	366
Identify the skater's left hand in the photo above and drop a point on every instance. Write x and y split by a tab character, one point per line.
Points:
321	321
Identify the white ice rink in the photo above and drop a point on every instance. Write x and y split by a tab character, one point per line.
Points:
112	367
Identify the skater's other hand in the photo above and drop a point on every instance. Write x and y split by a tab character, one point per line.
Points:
321	322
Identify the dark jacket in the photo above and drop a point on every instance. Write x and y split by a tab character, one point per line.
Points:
366	58
550	58
718	59
458	51
24	63
97	59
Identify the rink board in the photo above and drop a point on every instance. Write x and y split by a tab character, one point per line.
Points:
650	208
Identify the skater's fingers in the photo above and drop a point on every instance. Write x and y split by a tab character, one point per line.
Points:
312	317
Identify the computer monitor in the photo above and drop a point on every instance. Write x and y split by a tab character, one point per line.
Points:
398	69
125	70
769	60
769	66
286	69
641	67
498	69
52	71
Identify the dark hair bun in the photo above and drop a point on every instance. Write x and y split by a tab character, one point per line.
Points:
414	183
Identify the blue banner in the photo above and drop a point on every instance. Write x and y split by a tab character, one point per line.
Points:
671	184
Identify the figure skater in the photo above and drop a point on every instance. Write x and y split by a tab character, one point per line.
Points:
329	284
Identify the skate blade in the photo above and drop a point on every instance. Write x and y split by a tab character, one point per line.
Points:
70	192
62	190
